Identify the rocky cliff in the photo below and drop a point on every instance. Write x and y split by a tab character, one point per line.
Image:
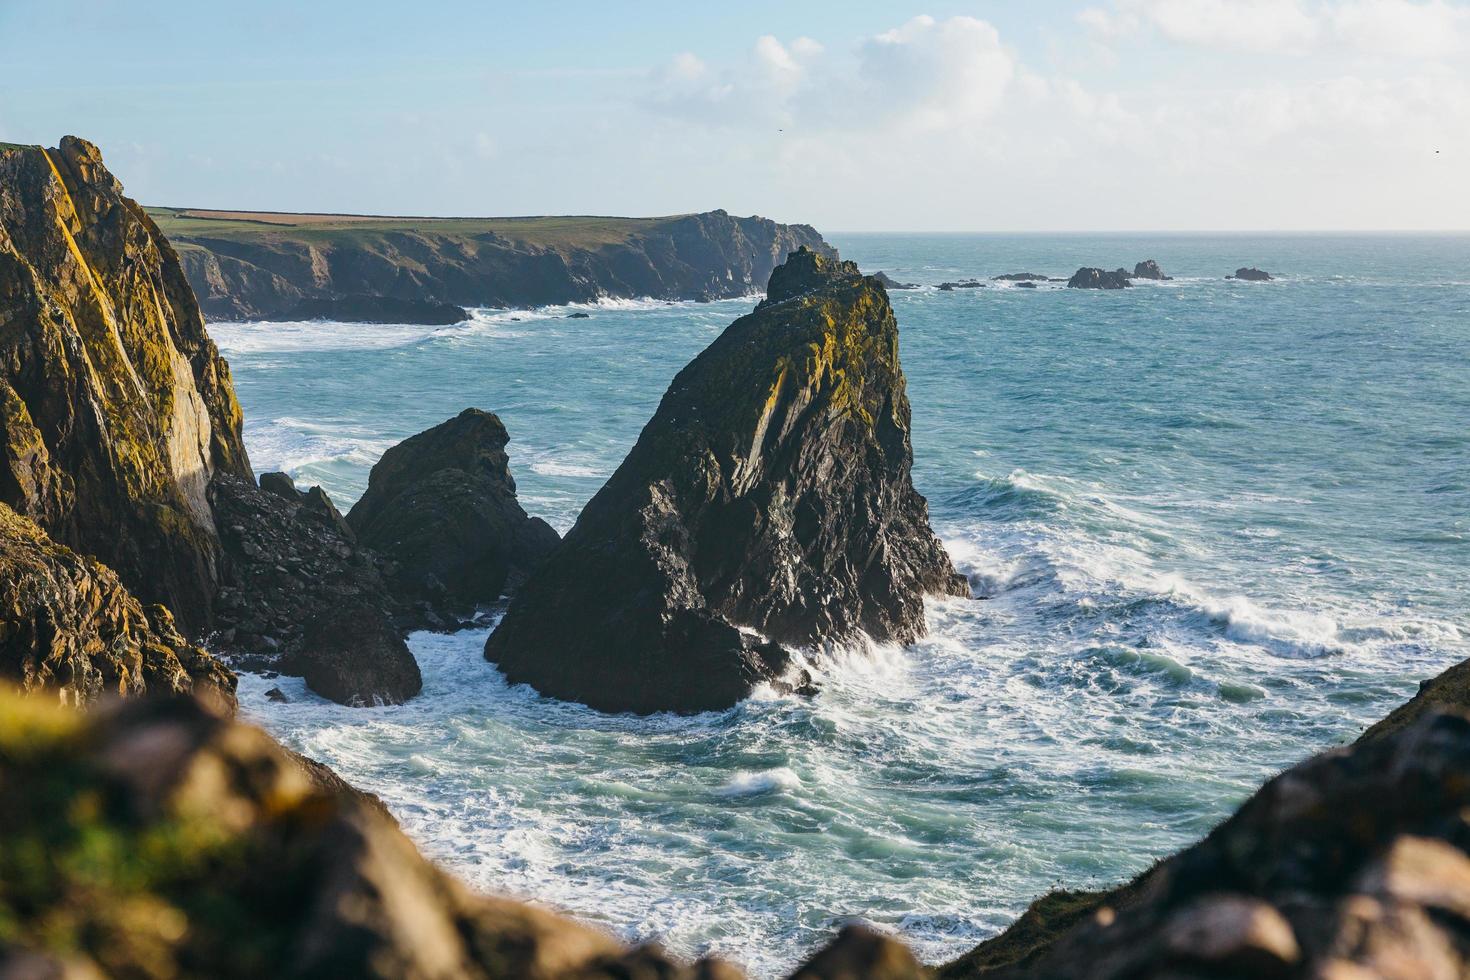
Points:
247	265
768	503
70	629
116	409
156	840
441	508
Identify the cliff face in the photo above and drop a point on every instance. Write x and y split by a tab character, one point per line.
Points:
116	409
243	269
68	627
770	492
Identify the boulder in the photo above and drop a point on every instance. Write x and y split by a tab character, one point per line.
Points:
70	631
281	485
766	505
364	308
1019	277
1149	269
887	282
441	506
1251	275
1098	279
354	655
1351	864
155	840
116	409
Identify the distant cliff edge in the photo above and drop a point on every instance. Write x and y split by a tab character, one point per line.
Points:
248	265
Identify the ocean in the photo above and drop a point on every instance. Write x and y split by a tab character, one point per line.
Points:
1215	526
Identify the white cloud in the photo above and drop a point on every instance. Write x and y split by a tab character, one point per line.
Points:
934	74
1402	28
1253	25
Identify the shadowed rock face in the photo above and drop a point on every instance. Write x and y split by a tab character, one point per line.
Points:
1099	279
770	490
1149	269
194	847
1352	864
68	627
116	409
267	270
1251	275
441	507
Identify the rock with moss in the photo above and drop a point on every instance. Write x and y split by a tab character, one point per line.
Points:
441	508
155	839
1351	864
116	409
766	506
71	632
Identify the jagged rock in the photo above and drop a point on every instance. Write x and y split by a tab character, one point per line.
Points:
156	840
962	284
281	485
246	269
277	695
69	628
1098	279
317	502
1251	275
770	492
1351	864
1449	691
579	316
888	283
859	953
115	407
442	507
354	655
1020	277
362	308
286	563
1149	269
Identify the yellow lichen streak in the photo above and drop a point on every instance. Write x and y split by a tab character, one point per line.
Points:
92	280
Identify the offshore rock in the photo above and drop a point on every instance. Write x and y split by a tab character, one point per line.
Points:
441	507
1098	279
360	308
1251	275
767	503
354	655
1351	864
1020	277
288	563
1149	269
115	407
888	282
70	630
155	840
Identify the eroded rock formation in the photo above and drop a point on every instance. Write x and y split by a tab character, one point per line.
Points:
70	629
116	409
1351	864
1149	269
441	508
1088	278
767	503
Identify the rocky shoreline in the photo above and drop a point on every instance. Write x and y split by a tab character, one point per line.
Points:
767	510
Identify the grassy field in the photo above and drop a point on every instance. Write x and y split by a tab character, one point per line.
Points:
575	231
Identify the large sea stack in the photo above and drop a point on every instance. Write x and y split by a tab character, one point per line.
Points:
767	504
116	409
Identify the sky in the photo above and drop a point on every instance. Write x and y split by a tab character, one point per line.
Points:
1044	115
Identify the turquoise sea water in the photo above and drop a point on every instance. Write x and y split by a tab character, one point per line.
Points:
1219	526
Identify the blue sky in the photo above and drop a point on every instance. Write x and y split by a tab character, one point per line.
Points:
1102	114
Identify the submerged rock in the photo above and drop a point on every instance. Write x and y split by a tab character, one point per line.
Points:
1149	269
767	503
115	406
364	308
1098	279
1351	864
156	840
888	283
962	284
441	506
70	629
1251	275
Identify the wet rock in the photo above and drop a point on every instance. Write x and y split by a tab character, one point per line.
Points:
441	507
1019	277
579	316
71	632
962	284
1026	285
1251	275
364	308
766	505
1149	269
1098	279
354	655
115	406
888	283
196	847
1351	864
277	695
